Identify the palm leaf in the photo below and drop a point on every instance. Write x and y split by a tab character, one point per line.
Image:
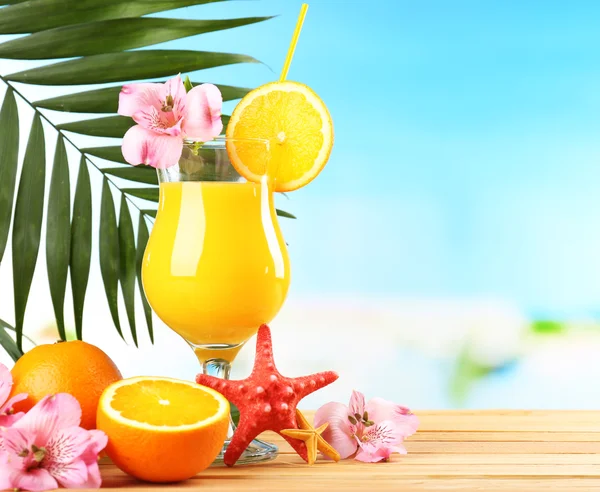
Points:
27	226
9	150
139	174
89	42
39	15
109	253
110	36
150	194
81	243
283	213
142	240
127	265
129	65
110	126
58	234
109	153
7	343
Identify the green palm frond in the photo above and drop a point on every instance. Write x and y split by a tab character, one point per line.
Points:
88	42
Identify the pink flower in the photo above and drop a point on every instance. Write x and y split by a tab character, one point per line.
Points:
373	430
47	448
165	116
7	416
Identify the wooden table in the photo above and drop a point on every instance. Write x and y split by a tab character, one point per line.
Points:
453	450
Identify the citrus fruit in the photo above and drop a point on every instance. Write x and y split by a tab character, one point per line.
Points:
162	429
78	368
298	127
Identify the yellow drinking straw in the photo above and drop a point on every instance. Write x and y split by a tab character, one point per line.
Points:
292	48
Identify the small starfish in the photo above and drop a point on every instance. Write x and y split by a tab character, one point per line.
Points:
312	438
266	400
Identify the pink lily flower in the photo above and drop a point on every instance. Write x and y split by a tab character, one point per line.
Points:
166	115
7	415
371	431
47	448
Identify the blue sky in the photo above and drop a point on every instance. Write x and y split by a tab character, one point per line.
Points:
466	156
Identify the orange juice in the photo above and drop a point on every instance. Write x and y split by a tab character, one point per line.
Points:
216	266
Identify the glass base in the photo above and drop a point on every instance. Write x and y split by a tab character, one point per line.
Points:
257	452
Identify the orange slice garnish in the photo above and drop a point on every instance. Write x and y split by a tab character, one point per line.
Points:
298	127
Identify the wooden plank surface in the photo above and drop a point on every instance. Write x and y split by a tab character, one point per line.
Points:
453	451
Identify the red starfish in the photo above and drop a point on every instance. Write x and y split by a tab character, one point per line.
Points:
266	400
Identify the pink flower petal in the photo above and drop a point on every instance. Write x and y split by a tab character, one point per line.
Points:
65	446
357	404
94	479
163	123
11	402
385	433
379	442
4	471
134	97
10	420
380	410
36	479
202	120
371	454
15	441
6	383
141	146
70	475
339	433
97	443
174	87
52	413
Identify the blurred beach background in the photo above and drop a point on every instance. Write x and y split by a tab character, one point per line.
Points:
449	254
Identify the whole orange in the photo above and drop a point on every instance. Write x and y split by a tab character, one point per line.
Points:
78	368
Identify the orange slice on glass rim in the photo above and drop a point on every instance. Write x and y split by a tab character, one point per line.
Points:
297	126
162	429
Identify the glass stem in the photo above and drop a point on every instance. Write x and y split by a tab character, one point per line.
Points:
219	368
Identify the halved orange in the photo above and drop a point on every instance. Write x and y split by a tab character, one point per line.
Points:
298	127
162	429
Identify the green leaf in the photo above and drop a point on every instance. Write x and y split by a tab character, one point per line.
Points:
140	174
107	100
283	213
39	15
127	265
111	126
112	153
149	212
58	233
548	327
465	374
110	36
7	343
109	253
130	65
151	194
187	83
142	240
235	414
9	151
81	243
29	211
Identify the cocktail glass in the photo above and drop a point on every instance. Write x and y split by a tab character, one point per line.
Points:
216	266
